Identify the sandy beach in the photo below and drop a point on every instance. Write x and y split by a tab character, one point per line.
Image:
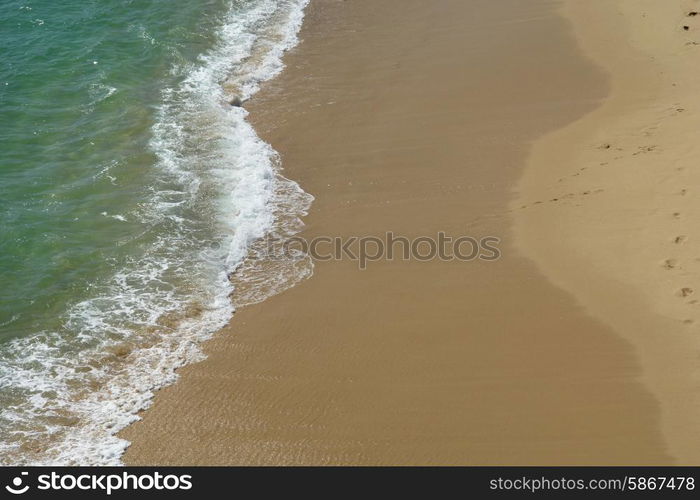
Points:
618	187
566	141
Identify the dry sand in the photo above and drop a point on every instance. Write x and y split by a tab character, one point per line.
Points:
617	220
417	117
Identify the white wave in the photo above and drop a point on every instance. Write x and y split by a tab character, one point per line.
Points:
70	391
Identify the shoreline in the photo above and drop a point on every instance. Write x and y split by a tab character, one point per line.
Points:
416	363
166	209
623	211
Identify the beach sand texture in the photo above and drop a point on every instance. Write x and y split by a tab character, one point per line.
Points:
619	186
417	117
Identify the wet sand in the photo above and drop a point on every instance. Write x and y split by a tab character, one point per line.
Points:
417	117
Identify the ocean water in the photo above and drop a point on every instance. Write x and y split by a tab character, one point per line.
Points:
130	190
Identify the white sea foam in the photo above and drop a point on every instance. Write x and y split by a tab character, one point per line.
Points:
218	190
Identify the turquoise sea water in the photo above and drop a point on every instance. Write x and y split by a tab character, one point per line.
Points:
129	190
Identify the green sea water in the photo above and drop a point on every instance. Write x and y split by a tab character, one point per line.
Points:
79	84
129	190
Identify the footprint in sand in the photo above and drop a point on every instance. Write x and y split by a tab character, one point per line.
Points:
686	292
644	149
676	108
680	239
670	264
